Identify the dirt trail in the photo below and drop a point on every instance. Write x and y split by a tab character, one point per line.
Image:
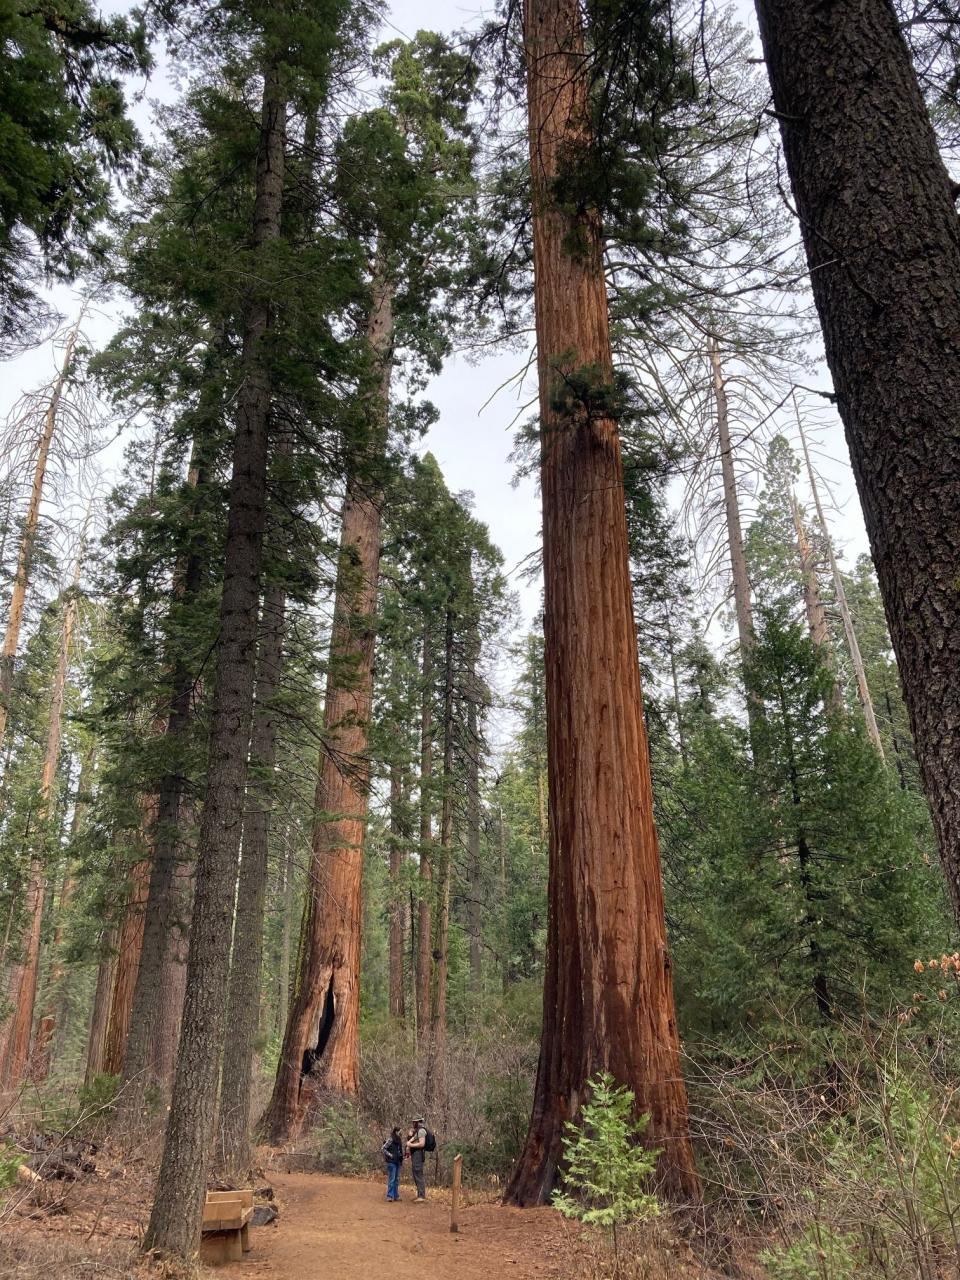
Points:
344	1229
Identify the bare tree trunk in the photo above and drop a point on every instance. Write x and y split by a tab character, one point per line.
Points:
398	855
813	603
174	1226
425	895
849	631
24	975
743	608
677	705
100	1012
21	579
877	212
608	994
243	1005
321	1041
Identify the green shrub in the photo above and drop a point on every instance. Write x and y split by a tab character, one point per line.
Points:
10	1161
607	1165
818	1254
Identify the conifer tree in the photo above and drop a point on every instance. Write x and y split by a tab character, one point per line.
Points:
862	156
608	1007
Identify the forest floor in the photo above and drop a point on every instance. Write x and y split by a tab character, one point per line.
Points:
345	1228
336	1227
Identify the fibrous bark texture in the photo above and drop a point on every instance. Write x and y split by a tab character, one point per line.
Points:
174	1226
243	1004
882	239
321	1040
608	995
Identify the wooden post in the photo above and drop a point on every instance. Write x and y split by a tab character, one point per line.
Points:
455	1194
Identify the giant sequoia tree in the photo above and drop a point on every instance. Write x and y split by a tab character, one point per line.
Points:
876	207
399	166
608	998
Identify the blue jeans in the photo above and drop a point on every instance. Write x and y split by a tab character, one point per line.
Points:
393	1181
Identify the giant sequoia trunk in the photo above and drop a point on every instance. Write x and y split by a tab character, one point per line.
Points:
100	1009
608	994
243	1005
882	237
128	953
321	1040
174	1226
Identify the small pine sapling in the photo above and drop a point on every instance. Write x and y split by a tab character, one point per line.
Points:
607	1165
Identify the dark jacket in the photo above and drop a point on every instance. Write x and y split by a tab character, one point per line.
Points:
393	1151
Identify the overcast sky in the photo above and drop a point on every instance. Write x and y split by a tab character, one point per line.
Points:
473	437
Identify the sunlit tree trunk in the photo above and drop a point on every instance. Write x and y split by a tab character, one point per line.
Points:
128	952
608	994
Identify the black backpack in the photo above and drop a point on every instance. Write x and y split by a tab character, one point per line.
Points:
430	1142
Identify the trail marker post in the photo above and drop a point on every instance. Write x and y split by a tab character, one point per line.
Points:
455	1193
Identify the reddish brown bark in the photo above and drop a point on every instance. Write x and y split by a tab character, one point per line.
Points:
128	955
321	1040
100	1009
608	997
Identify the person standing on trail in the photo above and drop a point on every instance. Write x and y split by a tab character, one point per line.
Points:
393	1154
418	1145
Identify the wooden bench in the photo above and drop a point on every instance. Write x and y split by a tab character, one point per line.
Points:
226	1226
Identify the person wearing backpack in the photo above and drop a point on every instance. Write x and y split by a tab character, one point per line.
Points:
393	1154
420	1141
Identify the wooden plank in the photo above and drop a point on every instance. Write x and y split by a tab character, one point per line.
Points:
455	1193
243	1194
229	1216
